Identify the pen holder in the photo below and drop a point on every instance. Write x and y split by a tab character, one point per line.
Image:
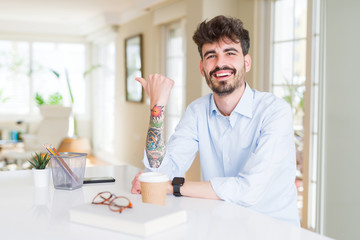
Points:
68	170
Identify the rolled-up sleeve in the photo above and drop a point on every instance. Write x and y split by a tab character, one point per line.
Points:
181	149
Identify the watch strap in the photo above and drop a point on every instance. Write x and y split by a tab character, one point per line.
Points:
177	190
177	183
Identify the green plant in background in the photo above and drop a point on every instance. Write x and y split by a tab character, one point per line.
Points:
13	62
2	98
90	70
295	92
39	99
54	99
39	161
87	72
295	97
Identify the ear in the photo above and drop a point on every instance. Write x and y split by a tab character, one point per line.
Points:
247	62
202	68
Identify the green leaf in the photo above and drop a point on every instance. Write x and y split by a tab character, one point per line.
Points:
39	100
55	73
38	161
55	99
3	99
69	87
32	163
92	68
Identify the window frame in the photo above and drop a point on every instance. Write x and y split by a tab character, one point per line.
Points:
165	36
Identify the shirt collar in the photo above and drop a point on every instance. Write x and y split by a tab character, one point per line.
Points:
244	106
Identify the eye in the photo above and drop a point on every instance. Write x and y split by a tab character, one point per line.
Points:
210	56
231	53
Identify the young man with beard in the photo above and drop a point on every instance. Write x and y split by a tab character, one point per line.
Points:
244	137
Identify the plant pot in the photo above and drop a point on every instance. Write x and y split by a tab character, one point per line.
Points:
41	177
55	111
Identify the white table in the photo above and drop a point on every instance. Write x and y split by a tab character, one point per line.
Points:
35	213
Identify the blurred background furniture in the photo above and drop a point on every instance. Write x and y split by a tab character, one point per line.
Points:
52	129
76	144
81	145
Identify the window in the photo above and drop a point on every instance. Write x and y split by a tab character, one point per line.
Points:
289	70
294	70
15	79
175	69
65	59
289	58
104	99
26	69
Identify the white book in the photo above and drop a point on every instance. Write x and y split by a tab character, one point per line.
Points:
142	220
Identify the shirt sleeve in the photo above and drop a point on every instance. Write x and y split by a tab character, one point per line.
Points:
181	148
273	158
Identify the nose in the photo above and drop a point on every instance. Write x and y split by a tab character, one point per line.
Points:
221	61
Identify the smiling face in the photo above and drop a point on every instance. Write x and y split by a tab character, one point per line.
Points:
224	66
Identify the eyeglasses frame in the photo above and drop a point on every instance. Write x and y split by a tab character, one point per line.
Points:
110	201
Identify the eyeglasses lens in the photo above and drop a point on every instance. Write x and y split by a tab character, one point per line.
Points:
102	198
119	204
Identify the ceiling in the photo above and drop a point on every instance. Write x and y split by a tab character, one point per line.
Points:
75	17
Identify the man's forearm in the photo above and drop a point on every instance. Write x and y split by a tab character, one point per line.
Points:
155	144
196	189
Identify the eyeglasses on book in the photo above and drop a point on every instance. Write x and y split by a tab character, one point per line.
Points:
115	203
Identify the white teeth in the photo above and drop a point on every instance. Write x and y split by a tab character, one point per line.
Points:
222	74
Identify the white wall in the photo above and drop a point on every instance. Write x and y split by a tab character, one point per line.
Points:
132	119
342	120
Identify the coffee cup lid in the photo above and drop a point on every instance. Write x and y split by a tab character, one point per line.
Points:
153	177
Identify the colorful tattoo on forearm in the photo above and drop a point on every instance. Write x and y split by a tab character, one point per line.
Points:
155	146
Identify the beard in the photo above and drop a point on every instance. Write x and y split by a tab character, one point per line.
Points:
224	88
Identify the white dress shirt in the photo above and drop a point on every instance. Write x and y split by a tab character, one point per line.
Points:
249	156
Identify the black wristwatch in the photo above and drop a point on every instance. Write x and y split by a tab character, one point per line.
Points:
177	182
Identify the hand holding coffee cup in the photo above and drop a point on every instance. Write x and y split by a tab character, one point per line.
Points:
153	187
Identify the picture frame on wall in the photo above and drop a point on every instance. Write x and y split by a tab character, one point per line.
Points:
133	68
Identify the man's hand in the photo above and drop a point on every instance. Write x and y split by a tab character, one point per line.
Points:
158	88
136	184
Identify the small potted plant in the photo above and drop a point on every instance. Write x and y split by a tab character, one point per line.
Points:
40	172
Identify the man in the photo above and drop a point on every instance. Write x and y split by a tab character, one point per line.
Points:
244	137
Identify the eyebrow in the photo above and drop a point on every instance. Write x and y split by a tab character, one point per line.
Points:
226	50
209	52
231	49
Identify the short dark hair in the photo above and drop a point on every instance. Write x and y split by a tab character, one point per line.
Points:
221	27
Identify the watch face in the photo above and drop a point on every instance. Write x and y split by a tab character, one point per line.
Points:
178	181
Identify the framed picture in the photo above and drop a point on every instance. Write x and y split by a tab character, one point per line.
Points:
133	68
